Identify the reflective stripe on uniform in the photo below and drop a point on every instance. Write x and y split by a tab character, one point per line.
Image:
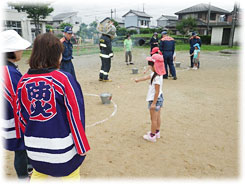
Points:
103	45
101	71
111	54
105	56
105	73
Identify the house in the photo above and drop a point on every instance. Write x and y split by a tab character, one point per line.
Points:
166	20
18	21
119	21
136	19
200	12
69	17
221	30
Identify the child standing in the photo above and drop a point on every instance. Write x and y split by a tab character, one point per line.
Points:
196	56
128	50
155	94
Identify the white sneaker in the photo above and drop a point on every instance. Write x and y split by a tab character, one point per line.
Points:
157	134
149	138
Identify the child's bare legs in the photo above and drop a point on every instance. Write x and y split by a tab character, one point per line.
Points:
154	118
158	120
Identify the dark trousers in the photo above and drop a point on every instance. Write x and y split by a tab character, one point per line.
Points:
105	68
128	54
20	164
168	61
67	66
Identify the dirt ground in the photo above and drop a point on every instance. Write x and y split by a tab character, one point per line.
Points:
200	120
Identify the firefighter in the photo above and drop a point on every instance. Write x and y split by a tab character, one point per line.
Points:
66	63
108	31
167	47
193	40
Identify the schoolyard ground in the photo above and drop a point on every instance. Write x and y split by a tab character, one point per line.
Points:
200	120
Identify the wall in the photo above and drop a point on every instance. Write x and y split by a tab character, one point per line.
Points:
14	15
217	34
237	36
216	37
131	20
162	22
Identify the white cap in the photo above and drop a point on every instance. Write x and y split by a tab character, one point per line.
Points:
12	41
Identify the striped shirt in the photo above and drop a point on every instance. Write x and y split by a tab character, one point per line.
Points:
51	113
9	121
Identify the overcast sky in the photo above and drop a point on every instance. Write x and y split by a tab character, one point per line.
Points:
90	10
94	9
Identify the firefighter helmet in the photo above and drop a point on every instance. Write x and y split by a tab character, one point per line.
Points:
107	28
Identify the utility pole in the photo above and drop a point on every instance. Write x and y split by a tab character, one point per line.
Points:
115	13
209	12
233	25
111	13
143	7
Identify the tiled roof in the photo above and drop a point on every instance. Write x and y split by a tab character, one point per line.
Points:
169	17
63	16
138	13
202	8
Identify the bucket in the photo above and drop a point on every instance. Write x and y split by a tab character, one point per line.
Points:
105	98
177	64
134	70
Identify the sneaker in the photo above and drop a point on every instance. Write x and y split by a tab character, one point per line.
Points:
175	78
131	63
100	79
149	138
157	134
127	63
107	80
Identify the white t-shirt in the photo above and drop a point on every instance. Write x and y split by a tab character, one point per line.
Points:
151	91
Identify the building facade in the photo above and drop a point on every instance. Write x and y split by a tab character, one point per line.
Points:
137	19
201	13
18	21
69	17
166	20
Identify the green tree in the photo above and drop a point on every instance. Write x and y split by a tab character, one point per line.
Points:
115	23
83	31
186	25
63	25
49	27
35	12
92	29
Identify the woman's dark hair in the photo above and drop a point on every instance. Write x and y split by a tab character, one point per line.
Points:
46	52
155	74
10	55
128	36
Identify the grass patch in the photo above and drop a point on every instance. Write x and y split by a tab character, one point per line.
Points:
26	53
178	47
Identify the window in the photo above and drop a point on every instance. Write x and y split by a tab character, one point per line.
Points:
199	15
142	22
213	16
14	25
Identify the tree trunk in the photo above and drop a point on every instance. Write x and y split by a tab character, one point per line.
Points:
36	22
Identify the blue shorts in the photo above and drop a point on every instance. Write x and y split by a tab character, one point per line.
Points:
158	104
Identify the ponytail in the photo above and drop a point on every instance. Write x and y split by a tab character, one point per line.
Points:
153	77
